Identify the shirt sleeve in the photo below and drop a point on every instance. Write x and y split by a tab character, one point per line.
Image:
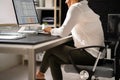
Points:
69	23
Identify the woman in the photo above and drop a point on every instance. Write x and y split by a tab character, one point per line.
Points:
86	29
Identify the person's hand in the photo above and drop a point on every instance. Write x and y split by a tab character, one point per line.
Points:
48	29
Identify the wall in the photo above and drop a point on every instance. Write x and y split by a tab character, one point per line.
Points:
7	16
8	61
7	12
103	8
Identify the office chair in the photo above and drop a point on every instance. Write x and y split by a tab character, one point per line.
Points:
107	68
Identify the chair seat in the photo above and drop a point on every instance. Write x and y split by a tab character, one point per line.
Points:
106	70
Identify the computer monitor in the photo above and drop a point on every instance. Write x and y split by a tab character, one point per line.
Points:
26	16
113	28
25	11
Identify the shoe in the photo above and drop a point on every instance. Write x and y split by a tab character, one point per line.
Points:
40	76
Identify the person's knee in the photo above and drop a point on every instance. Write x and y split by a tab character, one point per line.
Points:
51	50
47	54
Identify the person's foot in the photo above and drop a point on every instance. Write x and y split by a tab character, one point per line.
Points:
40	76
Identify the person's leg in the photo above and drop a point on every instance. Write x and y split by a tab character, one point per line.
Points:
60	55
59	52
43	67
55	67
82	57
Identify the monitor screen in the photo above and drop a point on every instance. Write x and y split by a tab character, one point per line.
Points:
25	12
113	29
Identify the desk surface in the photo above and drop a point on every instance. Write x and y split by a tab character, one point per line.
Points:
31	39
21	46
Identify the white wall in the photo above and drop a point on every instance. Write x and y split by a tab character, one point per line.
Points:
7	14
8	61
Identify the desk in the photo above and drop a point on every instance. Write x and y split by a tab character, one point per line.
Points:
31	50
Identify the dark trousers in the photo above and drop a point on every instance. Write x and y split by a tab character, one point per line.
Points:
56	56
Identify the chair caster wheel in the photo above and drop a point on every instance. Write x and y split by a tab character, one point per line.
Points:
96	78
84	75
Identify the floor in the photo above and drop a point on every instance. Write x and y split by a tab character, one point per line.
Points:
20	73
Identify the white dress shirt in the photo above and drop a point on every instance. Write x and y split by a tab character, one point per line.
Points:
84	25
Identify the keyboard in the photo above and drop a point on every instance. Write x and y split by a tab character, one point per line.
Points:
28	30
11	35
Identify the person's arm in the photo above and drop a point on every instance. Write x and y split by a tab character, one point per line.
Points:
69	23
